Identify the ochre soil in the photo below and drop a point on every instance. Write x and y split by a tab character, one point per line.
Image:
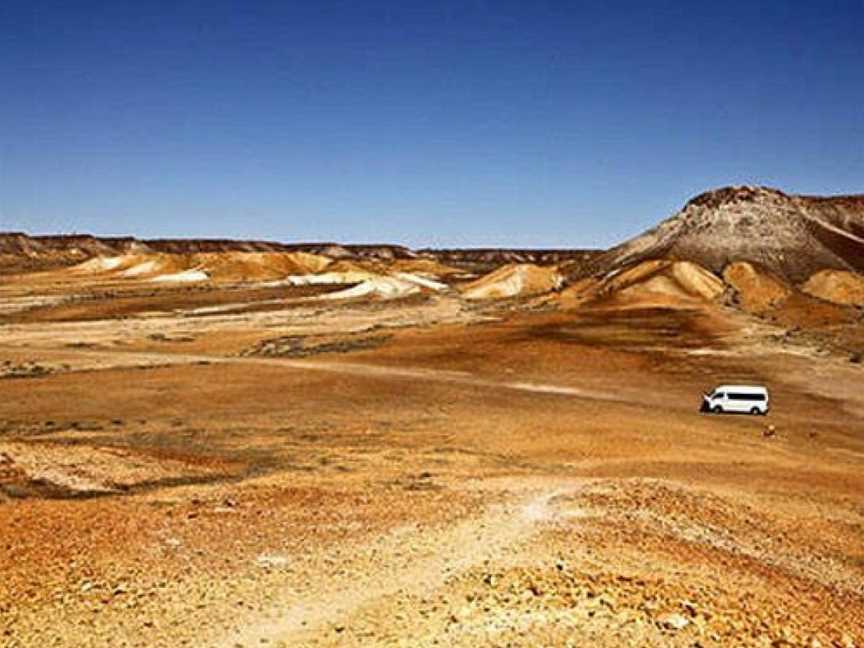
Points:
492	478
110	302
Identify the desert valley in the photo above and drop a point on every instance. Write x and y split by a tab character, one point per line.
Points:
229	443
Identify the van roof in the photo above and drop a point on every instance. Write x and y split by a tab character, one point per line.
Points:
750	388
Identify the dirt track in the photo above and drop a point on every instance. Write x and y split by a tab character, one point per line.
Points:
138	359
414	562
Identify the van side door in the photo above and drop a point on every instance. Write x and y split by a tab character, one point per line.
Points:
740	402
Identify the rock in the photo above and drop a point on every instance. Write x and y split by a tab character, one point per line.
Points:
607	601
845	641
673	621
268	561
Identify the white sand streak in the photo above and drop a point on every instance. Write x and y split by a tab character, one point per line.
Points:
187	276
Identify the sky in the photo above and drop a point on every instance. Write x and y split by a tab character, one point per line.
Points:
473	123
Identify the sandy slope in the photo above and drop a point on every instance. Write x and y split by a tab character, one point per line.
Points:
649	283
757	289
216	266
518	280
836	286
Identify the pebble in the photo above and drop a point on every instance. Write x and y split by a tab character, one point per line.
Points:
673	621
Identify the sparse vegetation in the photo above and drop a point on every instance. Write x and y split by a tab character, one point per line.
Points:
297	346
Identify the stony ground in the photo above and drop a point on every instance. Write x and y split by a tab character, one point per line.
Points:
473	478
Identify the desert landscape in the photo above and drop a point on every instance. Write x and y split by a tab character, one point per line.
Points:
228	443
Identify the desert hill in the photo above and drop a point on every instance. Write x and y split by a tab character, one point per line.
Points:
514	280
19	251
654	283
201	266
753	246
790	236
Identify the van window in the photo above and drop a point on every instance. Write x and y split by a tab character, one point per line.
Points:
747	397
719	395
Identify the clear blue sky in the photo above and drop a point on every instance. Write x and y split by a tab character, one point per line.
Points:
428	123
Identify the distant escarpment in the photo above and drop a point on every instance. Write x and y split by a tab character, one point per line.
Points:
20	251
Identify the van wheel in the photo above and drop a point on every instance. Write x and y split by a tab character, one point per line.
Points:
717	409
755	411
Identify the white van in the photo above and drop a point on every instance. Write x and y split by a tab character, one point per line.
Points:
751	399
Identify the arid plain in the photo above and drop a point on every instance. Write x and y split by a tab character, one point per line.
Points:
317	448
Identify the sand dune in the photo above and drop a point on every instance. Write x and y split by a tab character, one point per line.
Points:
338	272
401	284
519	280
216	266
836	286
422	281
382	287
757	289
186	276
677	279
658	282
